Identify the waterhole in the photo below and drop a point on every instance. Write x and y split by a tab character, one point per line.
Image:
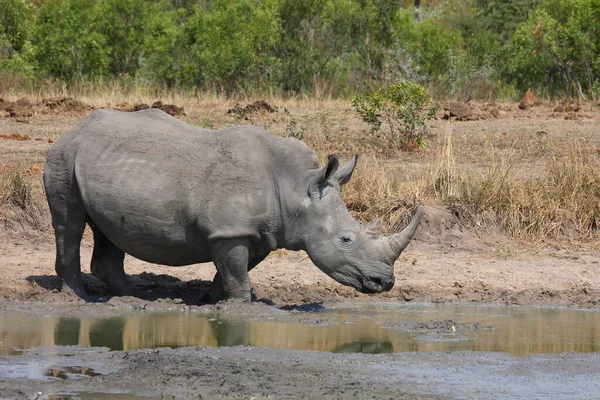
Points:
361	328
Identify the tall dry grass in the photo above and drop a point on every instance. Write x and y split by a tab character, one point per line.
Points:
563	203
560	203
22	199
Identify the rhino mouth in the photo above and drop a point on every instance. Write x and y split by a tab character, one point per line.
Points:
376	285
365	284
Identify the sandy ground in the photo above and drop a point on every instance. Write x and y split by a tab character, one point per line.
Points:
446	262
450	266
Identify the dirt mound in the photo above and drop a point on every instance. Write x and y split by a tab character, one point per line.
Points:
252	108
126	107
4	104
20	109
569	107
528	100
470	112
459	111
141	106
66	105
170	109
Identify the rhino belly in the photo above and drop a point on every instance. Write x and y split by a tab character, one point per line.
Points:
146	217
151	234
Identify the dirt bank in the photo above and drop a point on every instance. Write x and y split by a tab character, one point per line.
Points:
445	263
450	260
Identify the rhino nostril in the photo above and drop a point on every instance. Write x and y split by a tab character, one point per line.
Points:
377	281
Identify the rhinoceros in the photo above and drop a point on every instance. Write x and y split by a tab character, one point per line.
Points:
170	193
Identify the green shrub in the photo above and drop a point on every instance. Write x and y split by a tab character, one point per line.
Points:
227	42
67	42
556	48
15	19
400	112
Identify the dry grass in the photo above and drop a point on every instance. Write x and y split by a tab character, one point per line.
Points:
22	199
562	203
536	182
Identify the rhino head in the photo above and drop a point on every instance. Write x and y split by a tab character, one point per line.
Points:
336	243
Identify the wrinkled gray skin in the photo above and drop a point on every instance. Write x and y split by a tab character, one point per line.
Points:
170	193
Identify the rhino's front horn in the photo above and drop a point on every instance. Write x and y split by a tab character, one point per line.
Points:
399	241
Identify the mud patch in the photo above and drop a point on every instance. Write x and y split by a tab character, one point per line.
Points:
243	372
445	326
70	372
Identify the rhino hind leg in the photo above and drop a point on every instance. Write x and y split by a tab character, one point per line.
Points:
107	264
68	220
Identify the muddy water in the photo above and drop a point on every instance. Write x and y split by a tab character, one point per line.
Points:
361	328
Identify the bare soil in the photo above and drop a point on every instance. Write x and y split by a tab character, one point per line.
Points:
449	260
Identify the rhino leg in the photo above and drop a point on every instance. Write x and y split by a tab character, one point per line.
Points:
107	264
231	257
68	220
216	292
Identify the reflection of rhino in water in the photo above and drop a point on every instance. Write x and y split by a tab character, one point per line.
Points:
170	193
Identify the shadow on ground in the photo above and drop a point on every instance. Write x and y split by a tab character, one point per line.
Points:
149	287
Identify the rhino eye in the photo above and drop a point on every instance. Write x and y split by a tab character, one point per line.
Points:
346	240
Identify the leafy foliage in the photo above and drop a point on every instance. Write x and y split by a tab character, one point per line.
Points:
557	47
460	48
68	44
15	17
400	112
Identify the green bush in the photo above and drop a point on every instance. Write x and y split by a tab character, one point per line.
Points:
124	25
15	20
227	43
556	48
400	112
67	42
463	49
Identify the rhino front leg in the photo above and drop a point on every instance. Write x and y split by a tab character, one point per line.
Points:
216	292
231	257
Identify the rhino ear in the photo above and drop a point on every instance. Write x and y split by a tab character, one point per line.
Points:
319	182
344	174
328	171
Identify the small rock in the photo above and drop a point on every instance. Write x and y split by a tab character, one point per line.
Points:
499	113
571	116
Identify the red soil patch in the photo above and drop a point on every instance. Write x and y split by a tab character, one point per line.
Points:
15	136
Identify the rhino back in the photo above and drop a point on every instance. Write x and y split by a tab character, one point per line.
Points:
161	189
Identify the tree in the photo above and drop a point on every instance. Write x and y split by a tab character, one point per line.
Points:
15	19
557	47
66	40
